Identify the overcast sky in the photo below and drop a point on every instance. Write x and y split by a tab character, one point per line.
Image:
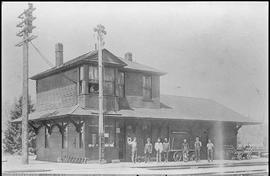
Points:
210	50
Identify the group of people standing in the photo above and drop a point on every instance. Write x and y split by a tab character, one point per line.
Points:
197	147
162	149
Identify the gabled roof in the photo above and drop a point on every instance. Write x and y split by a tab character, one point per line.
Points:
92	57
172	107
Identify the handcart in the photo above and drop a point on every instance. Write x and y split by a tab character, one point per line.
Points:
177	154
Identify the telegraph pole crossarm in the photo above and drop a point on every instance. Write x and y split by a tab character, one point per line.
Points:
27	39
26	25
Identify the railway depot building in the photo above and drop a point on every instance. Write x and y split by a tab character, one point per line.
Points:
66	116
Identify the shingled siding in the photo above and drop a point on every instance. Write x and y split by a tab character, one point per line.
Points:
90	101
54	149
57	91
134	92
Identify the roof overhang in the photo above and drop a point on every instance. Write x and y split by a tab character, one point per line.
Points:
79	112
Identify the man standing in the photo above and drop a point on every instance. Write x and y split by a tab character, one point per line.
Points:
197	146
159	148
166	148
210	149
185	148
133	149
148	150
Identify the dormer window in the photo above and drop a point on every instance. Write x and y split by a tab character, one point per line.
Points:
147	87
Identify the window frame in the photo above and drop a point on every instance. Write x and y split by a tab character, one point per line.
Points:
80	79
121	84
93	80
65	138
146	88
46	142
80	139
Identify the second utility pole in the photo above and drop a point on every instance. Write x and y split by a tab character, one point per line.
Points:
100	33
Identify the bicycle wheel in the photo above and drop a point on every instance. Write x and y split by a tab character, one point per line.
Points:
177	156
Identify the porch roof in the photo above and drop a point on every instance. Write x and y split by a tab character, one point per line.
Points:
172	107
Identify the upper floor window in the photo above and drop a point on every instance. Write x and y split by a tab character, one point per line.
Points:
147	87
109	79
80	79
93	83
121	84
93	79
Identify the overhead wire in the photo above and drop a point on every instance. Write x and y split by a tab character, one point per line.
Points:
49	63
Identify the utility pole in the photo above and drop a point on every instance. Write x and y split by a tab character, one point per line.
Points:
26	25
100	34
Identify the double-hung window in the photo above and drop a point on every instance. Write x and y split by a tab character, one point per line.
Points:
109	78
80	79
121	84
147	87
93	79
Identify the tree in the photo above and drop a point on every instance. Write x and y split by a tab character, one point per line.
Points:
12	142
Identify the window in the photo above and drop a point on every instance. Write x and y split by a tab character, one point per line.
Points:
93	79
93	136
46	138
64	138
121	84
147	87
109	134
80	79
80	140
109	81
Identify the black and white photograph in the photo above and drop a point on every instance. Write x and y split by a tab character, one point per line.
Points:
135	88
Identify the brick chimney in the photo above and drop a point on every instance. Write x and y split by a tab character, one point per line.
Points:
128	56
58	54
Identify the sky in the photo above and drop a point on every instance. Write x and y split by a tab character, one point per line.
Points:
208	49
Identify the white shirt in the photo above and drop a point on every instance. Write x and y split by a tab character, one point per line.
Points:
133	145
158	146
210	146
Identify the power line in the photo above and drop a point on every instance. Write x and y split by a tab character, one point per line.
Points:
43	57
49	63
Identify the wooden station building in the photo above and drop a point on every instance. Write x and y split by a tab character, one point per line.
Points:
66	116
